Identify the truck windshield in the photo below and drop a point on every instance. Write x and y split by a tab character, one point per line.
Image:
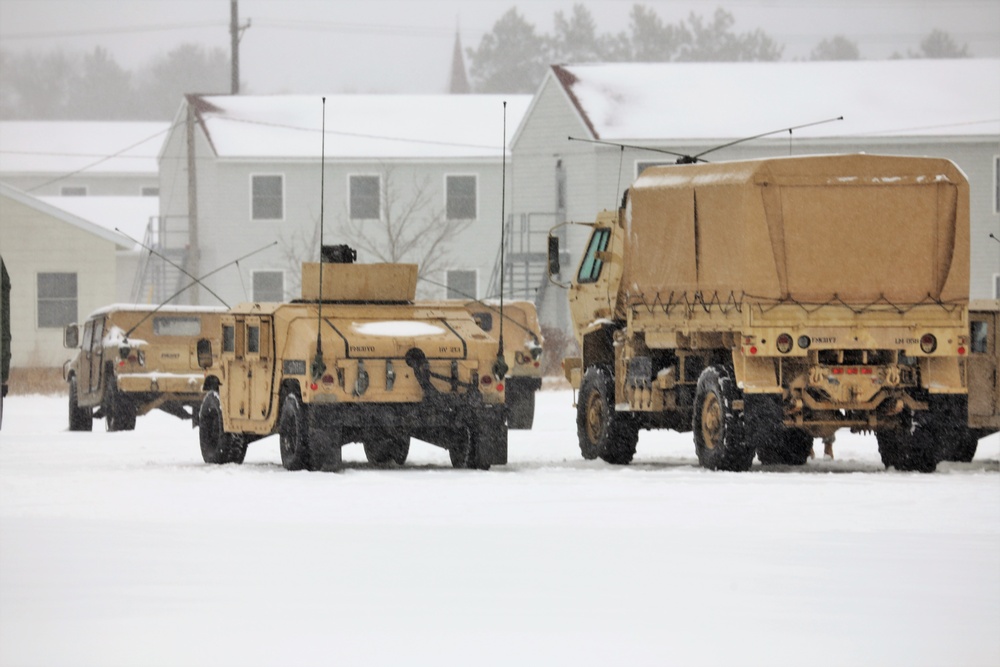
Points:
590	268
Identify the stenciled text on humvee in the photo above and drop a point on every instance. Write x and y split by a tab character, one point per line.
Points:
132	359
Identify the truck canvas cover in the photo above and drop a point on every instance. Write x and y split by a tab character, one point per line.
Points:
853	228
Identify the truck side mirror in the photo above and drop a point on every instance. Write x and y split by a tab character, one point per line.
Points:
71	336
205	353
553	255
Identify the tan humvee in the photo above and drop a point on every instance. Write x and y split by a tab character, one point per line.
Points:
134	359
522	352
764	303
983	365
357	360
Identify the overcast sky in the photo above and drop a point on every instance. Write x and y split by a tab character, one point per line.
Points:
405	46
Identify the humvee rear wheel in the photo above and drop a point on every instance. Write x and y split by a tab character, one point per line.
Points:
80	419
520	399
600	429
380	450
719	438
293	430
217	446
119	411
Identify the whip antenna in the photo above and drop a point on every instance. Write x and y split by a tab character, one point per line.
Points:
500	367
318	367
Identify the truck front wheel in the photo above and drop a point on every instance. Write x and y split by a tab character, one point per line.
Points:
217	446
719	438
602	430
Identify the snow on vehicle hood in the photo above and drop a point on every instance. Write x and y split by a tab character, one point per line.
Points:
397	328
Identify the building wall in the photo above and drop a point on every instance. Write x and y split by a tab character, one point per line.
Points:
51	185
227	231
32	243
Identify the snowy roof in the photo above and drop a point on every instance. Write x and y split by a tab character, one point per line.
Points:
68	146
359	126
893	98
62	215
129	214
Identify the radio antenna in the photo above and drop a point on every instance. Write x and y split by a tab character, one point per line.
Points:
177	266
683	158
500	367
318	367
196	281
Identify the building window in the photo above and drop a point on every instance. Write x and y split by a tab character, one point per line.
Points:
56	300
73	191
365	204
463	284
996	184
460	197
150	191
268	286
996	285
268	202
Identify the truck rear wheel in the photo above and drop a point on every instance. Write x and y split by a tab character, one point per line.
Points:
910	446
380	450
520	398
217	446
601	430
774	443
80	419
719	438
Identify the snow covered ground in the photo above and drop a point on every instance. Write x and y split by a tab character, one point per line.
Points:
125	549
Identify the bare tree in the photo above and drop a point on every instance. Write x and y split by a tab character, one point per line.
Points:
412	226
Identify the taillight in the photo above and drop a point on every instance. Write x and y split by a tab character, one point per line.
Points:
928	343
784	343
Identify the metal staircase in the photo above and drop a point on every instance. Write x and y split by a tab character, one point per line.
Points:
156	280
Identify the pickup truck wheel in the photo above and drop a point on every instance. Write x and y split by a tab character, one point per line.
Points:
601	430
217	446
380	450
520	399
293	429
719	438
80	419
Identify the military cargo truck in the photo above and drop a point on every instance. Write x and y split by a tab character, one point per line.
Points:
522	353
132	359
763	303
356	359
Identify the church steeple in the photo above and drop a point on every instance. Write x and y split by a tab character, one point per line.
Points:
459	84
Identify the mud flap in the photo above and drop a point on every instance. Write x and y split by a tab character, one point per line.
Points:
492	435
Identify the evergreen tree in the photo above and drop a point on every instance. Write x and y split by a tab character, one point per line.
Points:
511	58
836	48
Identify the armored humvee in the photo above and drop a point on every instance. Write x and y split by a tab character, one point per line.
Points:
982	367
132	359
356	359
522	353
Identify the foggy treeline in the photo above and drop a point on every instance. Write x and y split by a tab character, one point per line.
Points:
514	56
511	58
57	85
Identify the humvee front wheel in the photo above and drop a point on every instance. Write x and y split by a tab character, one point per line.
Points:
217	446
601	430
719	437
380	450
80	419
294	435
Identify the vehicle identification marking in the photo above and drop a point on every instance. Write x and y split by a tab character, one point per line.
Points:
362	348
907	341
825	339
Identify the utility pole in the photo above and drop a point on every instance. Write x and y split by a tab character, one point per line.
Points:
234	44
235	34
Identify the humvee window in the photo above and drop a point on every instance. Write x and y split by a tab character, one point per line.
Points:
590	268
980	337
253	340
177	326
484	320
228	338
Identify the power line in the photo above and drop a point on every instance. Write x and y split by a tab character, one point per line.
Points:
110	31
